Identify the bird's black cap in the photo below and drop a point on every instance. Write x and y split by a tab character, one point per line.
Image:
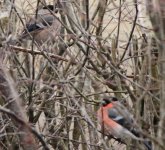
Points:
51	7
107	100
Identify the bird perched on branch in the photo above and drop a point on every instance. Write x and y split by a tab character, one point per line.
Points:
44	27
118	122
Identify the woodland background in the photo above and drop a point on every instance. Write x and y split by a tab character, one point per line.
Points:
110	47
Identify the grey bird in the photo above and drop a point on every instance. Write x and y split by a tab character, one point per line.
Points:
44	28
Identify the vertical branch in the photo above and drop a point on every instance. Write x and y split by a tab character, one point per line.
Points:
132	31
101	14
119	22
12	100
157	12
86	27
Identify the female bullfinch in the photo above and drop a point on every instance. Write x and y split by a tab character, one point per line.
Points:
118	122
45	27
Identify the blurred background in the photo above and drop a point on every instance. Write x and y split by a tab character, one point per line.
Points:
56	67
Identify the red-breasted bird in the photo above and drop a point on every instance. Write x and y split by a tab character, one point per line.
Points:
118	122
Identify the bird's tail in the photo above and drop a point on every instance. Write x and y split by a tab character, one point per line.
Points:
148	145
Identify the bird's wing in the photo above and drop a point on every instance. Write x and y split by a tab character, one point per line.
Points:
41	23
33	27
44	20
118	117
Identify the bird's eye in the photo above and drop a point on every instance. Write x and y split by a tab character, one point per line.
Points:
114	99
105	102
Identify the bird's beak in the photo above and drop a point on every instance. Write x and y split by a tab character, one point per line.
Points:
103	103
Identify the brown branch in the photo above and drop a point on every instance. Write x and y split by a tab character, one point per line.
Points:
10	97
132	31
36	52
23	123
157	12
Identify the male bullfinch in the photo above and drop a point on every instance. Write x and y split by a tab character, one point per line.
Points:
45	27
118	122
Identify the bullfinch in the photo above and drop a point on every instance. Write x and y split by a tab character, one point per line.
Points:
44	27
116	121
